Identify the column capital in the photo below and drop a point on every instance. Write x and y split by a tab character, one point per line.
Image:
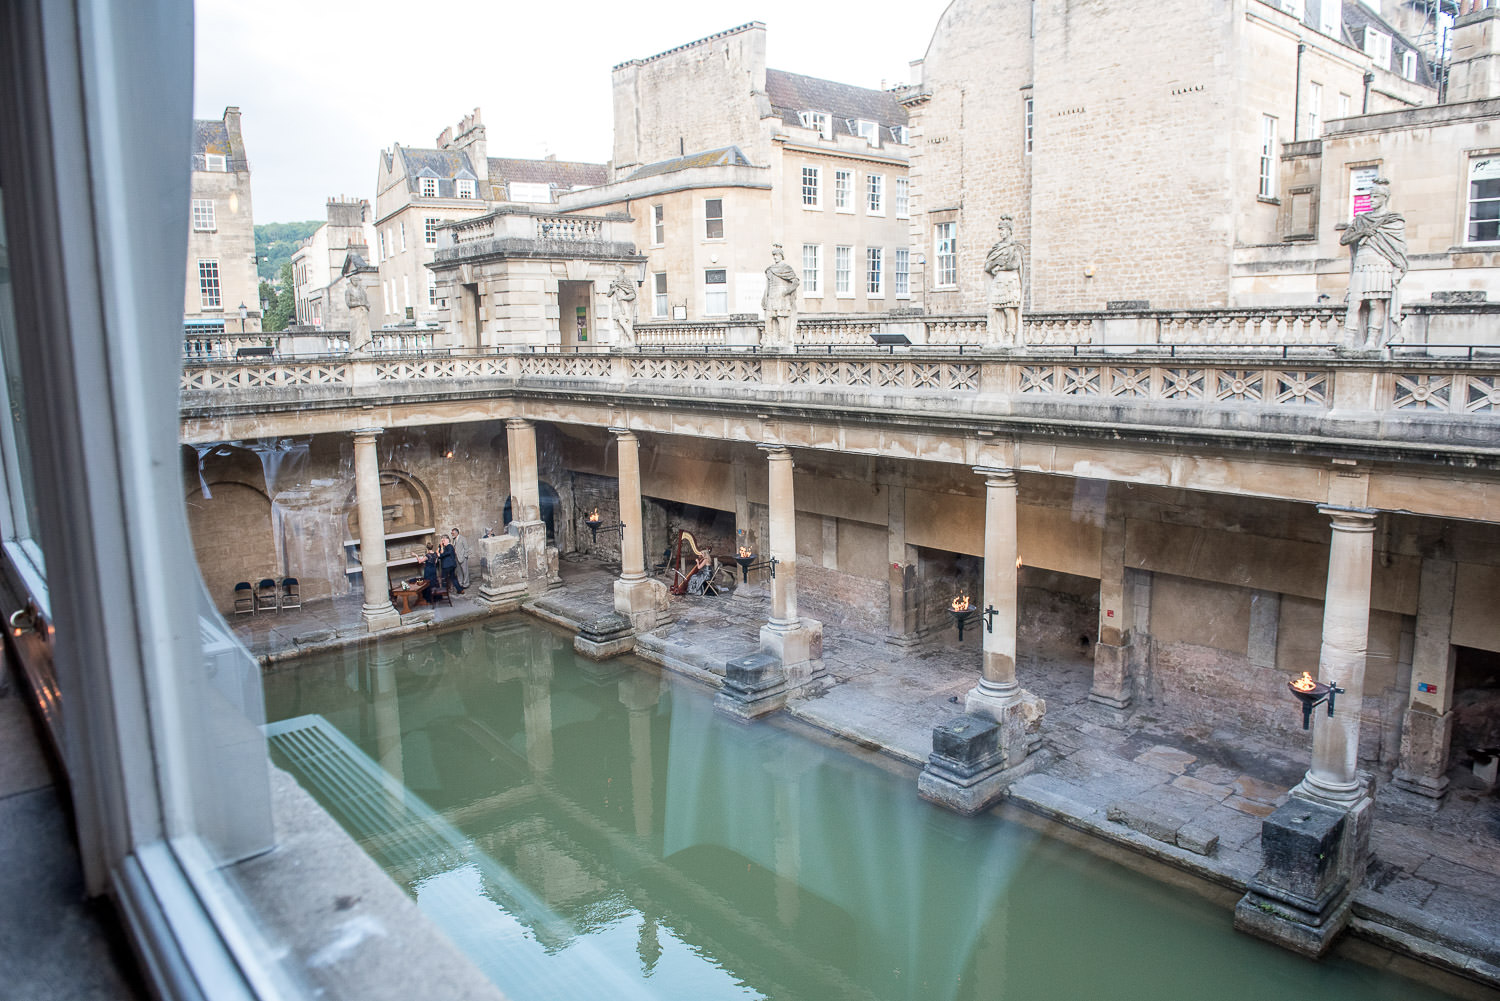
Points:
517	423
998	476
367	434
622	433
774	451
1350	519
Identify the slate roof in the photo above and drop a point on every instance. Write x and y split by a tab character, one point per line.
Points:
1357	15
445	164
724	156
792	93
563	175
210	136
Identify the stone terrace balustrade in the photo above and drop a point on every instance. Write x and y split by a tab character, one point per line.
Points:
517	230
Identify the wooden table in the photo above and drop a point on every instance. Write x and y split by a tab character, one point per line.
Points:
407	595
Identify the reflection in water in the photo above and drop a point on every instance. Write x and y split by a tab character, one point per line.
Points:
600	832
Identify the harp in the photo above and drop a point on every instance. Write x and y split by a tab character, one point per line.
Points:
684	555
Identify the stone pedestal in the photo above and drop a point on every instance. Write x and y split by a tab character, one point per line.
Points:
502	583
1313	857
754	685
605	637
644	602
966	770
798	648
1111	675
1425	739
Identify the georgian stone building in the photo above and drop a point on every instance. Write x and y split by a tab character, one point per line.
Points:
717	157
1136	153
319	262
221	274
418	190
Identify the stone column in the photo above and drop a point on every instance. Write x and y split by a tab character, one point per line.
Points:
386	709
1332	779
1427	726
637	597
378	611
998	688
525	505
797	642
1112	681
640	695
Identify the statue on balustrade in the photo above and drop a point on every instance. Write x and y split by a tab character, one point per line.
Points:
358	302
622	296
780	301
1377	241
1004	265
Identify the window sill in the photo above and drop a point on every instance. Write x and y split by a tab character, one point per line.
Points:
1267	201
812	208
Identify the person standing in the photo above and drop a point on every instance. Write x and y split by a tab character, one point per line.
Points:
461	552
429	573
448	563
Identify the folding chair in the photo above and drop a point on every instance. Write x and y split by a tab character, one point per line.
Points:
265	595
244	598
291	593
440	593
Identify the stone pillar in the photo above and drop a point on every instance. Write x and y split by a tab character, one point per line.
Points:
1111	657
378	611
796	642
1332	779
1427	726
637	597
526	507
536	706
386	709
640	694
998	688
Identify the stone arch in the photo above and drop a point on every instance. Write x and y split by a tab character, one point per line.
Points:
406	504
229	518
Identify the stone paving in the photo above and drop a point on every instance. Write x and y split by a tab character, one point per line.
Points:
1145	779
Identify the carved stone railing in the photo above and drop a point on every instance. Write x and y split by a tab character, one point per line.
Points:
581	229
1097	380
205	346
680	334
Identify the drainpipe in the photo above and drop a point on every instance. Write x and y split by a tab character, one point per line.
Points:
1365	107
1297	101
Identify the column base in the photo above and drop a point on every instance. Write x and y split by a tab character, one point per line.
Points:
966	770
991	700
1111	676
754	686
605	637
642	601
1313	856
1336	797
378	617
1425	741
799	648
501	597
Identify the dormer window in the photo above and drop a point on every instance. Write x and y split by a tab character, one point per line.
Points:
868	129
898	134
818	120
1377	45
429	187
215	161
1409	65
465	188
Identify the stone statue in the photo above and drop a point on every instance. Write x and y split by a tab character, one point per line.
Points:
358	302
1004	264
780	300
622	296
1377	240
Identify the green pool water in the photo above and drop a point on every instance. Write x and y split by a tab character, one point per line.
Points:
595	830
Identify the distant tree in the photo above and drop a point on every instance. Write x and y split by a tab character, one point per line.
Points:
283	308
276	242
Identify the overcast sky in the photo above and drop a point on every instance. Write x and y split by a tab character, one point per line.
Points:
324	85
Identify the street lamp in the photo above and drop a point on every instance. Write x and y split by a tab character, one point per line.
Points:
244	312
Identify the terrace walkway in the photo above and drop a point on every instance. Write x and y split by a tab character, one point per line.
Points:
1433	887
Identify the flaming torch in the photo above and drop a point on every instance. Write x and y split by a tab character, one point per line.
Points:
962	610
593	523
1312	694
744	556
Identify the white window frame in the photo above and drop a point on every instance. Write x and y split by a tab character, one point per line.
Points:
869	130
430	231
1409	65
1486	165
210	284
875	194
658	225
901	273
381	240
900	135
843	271
402	229
1329	12
427	187
1377	45
843	189
659	305
719	289
901	198
812	270
432	296
1314	110
812	187
709	220
945	255
464	187
1345	104
875	272
818	120
216	162
204	220
1028	126
1266	187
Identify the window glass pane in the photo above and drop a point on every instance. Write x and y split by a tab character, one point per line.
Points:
15	448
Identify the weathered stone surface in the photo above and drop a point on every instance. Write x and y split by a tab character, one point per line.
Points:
754	685
1300	899
1200	787
1198	840
1150	821
606	636
1425	738
1254	807
1459	295
1168	758
967	743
